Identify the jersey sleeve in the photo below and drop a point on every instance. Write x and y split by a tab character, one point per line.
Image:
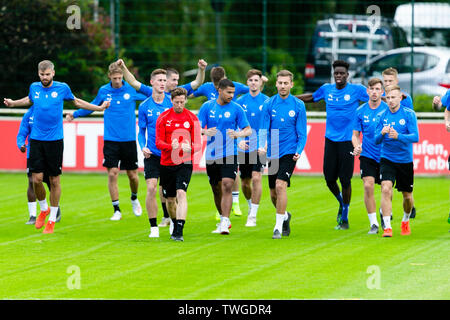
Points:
242	118
30	93
142	124
24	130
413	131
362	93
301	127
145	90
357	125
188	88
407	102
319	94
240	88
200	91
202	114
446	100
160	139
68	95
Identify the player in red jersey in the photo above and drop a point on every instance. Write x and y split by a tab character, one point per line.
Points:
178	136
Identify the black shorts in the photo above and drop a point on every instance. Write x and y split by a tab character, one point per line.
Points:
449	162
46	178
401	174
221	168
152	167
46	156
175	178
369	168
249	162
120	154
338	162
281	169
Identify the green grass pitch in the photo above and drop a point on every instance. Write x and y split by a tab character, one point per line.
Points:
117	260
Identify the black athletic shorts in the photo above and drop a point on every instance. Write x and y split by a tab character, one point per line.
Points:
221	168
120	154
369	168
46	178
449	162
152	167
46	156
175	178
281	169
249	162
337	161
401	174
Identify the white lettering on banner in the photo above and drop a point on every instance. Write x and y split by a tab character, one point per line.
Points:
303	162
435	155
70	142
90	132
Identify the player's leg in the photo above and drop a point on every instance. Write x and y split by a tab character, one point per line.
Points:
226	204
134	187
386	206
113	175
369	201
235	194
255	198
405	182
151	206
183	174
165	222
54	156
330	172
345	169
32	204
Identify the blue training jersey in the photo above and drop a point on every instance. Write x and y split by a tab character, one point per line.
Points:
446	100
285	122
366	123
223	118
119	118
253	108
404	121
407	102
149	112
210	92
147	90
24	130
341	105
48	106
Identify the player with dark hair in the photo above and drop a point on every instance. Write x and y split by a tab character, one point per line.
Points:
119	149
396	131
284	116
178	136
46	139
342	99
251	164
219	120
369	152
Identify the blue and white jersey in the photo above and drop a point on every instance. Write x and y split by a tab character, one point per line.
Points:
48	106
253	108
25	129
210	92
404	121
366	122
341	105
230	116
147	90
285	122
149	111
119	118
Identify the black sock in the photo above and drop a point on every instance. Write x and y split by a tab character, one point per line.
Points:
166	213
152	222
133	196
180	226
174	232
115	204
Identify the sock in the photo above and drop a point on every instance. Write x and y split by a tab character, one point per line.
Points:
133	196
254	209
174	221
249	201
180	227
345	209
387	222
235	196
166	213
373	218
285	216
115	204
53	212
340	200
32	208
43	205
279	222
152	222
406	216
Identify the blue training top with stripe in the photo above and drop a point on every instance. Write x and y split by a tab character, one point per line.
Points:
25	130
210	92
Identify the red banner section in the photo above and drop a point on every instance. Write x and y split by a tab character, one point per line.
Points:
83	145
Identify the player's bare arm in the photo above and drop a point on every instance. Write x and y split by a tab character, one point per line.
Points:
305	97
128	76
200	74
80	103
24	102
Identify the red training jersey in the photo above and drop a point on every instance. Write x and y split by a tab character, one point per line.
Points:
183	127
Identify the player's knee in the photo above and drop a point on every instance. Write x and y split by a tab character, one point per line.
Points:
171	201
346	183
112	174
369	186
37	179
386	189
181	194
407	196
280	186
152	189
331	183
